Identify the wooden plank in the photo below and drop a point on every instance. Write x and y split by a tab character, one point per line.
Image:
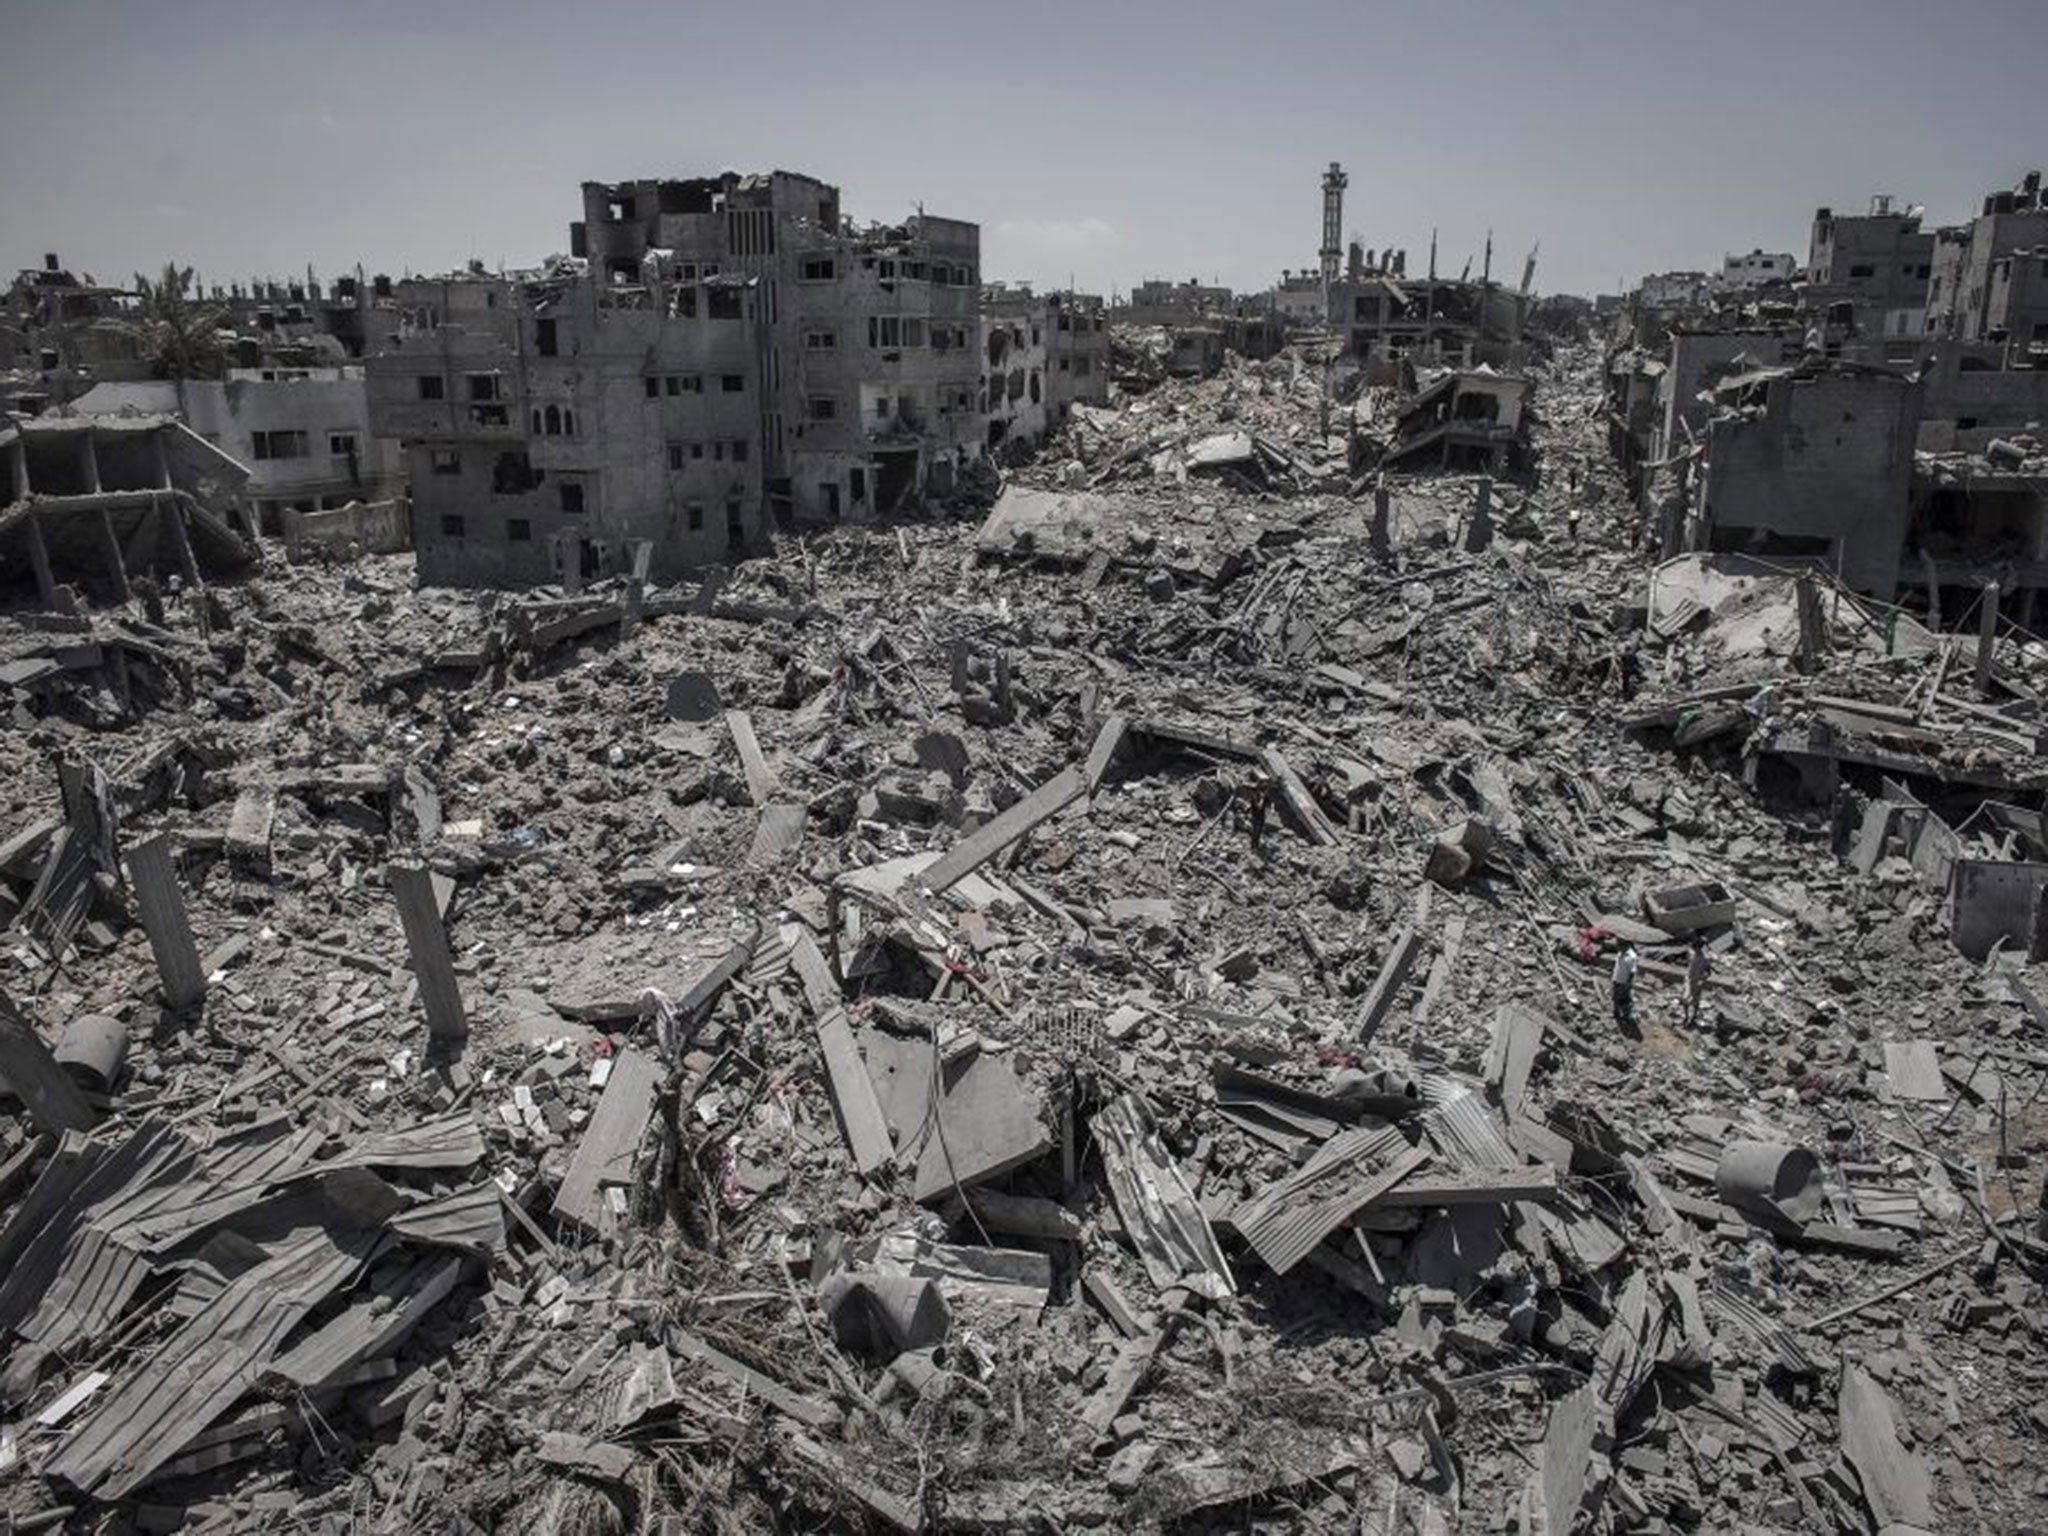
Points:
611	1140
54	1101
846	1075
760	780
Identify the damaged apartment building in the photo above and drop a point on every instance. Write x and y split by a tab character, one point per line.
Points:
715	352
1045	354
711	355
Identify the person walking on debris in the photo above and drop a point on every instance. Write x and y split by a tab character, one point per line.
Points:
1695	980
1624	987
1258	800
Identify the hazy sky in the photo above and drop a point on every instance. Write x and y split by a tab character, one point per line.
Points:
1108	141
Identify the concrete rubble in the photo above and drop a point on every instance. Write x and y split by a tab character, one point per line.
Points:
1096	1018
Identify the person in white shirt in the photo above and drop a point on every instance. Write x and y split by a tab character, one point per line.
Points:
1624	987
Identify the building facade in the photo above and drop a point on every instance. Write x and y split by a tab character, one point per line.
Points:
1976	294
1015	326
306	440
554	421
1867	275
866	337
1077	354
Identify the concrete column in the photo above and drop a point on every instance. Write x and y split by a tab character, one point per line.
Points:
1479	532
162	906
181	543
1987	635
1382	521
39	558
427	942
112	548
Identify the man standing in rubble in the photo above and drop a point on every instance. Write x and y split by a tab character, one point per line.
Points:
1695	980
1625	987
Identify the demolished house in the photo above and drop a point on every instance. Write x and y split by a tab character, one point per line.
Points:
94	503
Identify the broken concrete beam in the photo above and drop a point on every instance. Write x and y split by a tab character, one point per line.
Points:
1302	809
611	1142
426	940
1004	829
1387	986
760	781
1023	1215
846	1075
28	1066
248	835
162	908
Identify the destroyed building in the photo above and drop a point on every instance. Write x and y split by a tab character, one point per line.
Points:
1813	461
306	440
555	422
1077	354
1015	329
1758	269
1989	278
866	336
1867	274
95	503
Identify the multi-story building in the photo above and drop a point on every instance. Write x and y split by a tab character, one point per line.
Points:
1867	275
305	439
1301	300
1015	323
60	334
1077	354
1971	296
1758	268
554	420
865	337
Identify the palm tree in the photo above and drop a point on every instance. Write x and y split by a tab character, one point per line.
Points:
180	338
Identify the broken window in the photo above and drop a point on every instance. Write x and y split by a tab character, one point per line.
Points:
673	384
1035	387
483	386
512	475
735	525
551	421
1860	270
572	496
693	514
820	269
913	333
341	445
544	340
828	492
732	383
444	461
1082	364
821	408
453	526
654	386
433	387
519	530
675	455
821	339
725	304
739	450
285	443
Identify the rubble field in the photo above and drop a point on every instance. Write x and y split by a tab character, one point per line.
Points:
1099	1018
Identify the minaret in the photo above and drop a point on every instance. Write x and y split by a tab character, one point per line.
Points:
1334	183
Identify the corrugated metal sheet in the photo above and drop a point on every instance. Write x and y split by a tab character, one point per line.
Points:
1285	1221
451	1141
1156	1206
1462	1127
470	1220
204	1367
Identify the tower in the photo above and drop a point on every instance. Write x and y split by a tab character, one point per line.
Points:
1334	183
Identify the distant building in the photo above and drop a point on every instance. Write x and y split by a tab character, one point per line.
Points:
1077	354
1990	276
1015	324
1758	268
1867	275
1300	300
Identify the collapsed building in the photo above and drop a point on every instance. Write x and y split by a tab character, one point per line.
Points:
95	503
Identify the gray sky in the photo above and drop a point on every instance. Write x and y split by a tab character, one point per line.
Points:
1109	141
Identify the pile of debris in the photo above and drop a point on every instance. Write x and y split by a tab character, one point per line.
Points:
1100	1020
